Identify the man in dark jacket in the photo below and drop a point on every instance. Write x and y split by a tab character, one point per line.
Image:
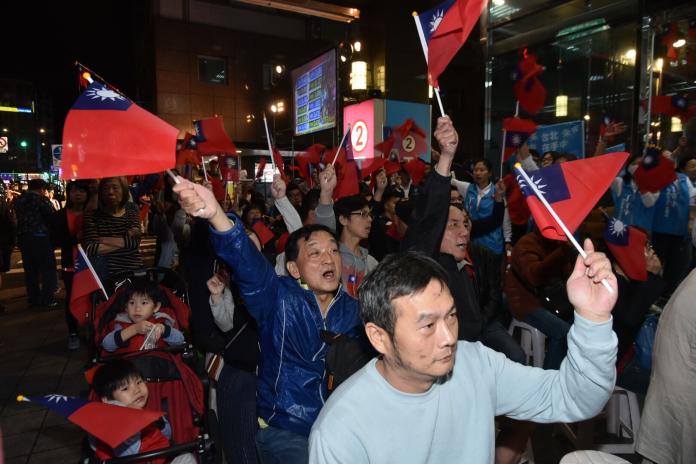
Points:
290	313
34	217
442	230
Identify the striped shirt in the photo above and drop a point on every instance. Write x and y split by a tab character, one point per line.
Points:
98	223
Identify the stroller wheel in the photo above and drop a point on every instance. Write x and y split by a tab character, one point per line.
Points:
212	443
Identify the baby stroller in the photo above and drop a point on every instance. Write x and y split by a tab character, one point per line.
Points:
174	387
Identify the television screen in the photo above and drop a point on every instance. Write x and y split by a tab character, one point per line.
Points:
314	94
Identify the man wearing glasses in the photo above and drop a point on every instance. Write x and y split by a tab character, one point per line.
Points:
354	225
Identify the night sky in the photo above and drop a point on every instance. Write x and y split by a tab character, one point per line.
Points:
42	40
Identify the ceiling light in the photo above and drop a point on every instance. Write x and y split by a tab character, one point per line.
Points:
357	45
679	43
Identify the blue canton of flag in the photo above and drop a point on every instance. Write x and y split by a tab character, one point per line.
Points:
63	405
678	101
200	136
515	139
80	264
549	181
616	232
100	97
349	148
432	18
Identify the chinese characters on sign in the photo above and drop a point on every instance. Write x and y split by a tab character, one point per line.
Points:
566	137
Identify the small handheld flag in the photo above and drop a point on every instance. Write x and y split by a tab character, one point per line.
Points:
627	244
97	418
85	281
516	131
655	171
536	212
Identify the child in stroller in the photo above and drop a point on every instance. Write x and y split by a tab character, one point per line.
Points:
173	386
142	322
120	383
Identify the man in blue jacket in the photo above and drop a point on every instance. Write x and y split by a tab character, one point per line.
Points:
290	312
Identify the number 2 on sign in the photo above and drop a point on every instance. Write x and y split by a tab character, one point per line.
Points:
408	143
358	136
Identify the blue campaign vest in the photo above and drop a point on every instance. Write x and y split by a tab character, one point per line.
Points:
494	239
672	208
629	207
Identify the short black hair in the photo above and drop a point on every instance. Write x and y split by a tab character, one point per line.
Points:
309	203
390	193
399	274
37	184
137	286
112	376
485	162
292	186
292	248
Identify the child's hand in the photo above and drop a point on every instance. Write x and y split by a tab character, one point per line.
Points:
216	285
143	327
157	332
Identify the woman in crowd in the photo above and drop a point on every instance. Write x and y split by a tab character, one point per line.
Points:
68	233
479	199
111	233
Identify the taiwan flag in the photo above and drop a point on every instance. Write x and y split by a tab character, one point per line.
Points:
655	171
572	189
211	137
85	281
109	423
106	134
673	105
517	131
444	29
529	91
627	244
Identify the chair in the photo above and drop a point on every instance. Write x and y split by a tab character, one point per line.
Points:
623	421
532	341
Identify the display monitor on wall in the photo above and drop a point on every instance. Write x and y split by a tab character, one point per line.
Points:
314	94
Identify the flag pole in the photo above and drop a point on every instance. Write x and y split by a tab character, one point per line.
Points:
270	146
343	139
205	173
424	46
571	238
502	153
89	265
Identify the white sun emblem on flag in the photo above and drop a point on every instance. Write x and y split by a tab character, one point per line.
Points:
516	139
537	182
104	93
56	398
436	20
617	228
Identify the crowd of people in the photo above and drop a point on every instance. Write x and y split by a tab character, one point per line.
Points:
392	285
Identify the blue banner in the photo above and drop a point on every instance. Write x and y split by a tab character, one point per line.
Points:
566	137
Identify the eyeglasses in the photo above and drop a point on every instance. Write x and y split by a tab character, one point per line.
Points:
365	213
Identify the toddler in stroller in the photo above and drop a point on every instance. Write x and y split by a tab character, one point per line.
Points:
120	383
138	320
172	385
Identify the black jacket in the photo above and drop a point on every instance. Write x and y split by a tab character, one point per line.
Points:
425	233
60	237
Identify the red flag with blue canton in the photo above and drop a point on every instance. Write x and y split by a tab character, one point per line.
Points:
211	137
529	91
110	423
655	171
410	140
85	281
673	105
444	30
627	244
262	231
106	135
517	131
260	169
279	164
572	189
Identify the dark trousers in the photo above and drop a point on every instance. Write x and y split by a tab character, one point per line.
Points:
70	320
497	338
236	405
39	264
556	330
675	253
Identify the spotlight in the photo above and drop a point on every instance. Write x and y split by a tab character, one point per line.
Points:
679	43
357	45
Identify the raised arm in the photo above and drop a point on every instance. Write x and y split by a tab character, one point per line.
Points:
253	273
432	206
327	183
290	215
586	378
